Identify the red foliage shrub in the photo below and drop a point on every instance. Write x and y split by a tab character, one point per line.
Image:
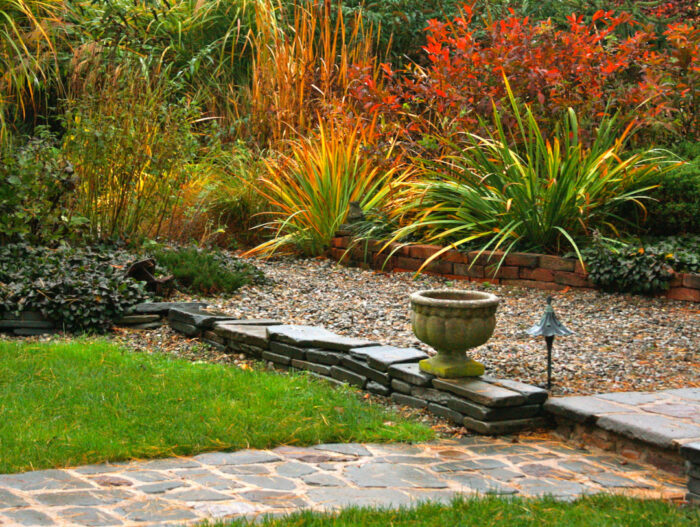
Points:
587	67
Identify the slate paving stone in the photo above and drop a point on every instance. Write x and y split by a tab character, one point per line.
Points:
161	487
633	398
146	476
432	395
348	449
501	449
129	320
447	413
320	369
269	482
527	458
333	498
200	318
170	464
484	413
82	497
155	510
508	426
89	516
407	460
329	358
407	400
323	480
382	357
681	410
482	485
207	479
377	388
580	467
618	464
545	471
198	495
276	358
443	497
391	475
162	308
685	393
361	367
303	336
341	343
275	499
188	330
348	376
293	469
309	455
29	517
648	428
242	457
481	392
101	468
401	386
584	408
293	352
43	480
533	394
245	469
217	510
411	374
251	335
691	451
616	481
9	500
556	488
503	474
470	464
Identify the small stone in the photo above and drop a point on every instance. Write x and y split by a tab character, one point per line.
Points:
410	373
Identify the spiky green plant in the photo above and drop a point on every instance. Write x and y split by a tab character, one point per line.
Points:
526	191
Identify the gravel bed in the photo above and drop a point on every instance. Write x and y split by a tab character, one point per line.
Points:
622	342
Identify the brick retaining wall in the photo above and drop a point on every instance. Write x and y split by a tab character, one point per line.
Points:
539	271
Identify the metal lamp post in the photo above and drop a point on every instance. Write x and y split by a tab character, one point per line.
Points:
549	327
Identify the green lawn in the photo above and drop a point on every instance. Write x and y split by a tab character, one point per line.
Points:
597	511
87	400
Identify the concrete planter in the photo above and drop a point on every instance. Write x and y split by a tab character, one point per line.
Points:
453	321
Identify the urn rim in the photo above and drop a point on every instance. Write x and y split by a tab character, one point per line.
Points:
454	298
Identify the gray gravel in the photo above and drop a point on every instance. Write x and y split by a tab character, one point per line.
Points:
622	342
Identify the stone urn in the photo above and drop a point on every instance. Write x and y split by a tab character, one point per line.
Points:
453	321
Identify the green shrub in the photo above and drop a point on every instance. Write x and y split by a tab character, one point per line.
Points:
676	209
79	289
206	271
36	186
540	194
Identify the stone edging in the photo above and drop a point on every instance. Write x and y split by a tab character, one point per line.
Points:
539	271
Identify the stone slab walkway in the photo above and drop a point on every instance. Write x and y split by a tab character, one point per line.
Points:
247	483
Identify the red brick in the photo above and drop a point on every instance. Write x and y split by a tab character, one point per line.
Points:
691	280
572	279
676	280
440	267
533	284
340	242
383	262
409	264
580	269
423	251
455	257
504	271
556	263
486	257
542	275
684	293
474	271
523	260
338	254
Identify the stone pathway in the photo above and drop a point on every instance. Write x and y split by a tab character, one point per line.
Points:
251	482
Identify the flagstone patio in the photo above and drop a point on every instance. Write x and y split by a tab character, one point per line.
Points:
285	479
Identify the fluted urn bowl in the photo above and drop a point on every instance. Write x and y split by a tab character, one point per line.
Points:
453	321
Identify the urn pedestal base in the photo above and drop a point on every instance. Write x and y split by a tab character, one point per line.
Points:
451	366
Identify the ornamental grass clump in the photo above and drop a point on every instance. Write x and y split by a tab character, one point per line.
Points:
522	190
310	189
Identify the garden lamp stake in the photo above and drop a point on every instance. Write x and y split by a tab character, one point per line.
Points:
549	327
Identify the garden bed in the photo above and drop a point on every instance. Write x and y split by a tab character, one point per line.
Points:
622	342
